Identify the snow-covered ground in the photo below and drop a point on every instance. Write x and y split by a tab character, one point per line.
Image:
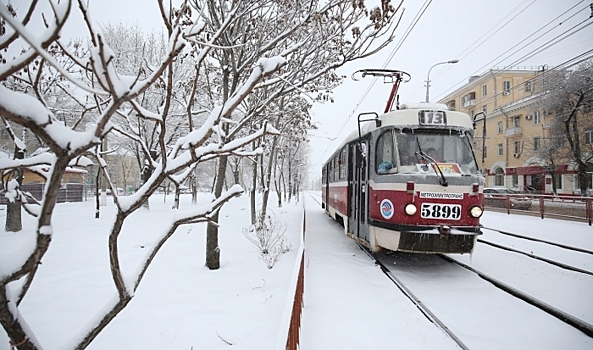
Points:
180	304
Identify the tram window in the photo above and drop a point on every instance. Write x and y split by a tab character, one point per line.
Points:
385	155
336	169
342	165
364	169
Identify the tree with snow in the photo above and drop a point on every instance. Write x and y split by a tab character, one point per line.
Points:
112	103
316	37
569	106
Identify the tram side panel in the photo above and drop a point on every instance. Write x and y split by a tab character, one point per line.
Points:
337	201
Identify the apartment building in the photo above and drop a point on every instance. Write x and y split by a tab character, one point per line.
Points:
510	128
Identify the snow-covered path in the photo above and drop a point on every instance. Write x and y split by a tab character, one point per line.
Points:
350	303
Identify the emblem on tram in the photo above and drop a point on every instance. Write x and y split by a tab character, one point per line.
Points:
386	208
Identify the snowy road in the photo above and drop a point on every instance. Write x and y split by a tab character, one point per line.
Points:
480	314
344	294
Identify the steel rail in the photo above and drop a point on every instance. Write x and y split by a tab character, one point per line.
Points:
537	257
417	302
581	250
579	324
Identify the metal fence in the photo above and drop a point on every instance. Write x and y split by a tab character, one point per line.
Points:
289	336
560	206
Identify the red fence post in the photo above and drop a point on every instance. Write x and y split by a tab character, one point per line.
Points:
589	209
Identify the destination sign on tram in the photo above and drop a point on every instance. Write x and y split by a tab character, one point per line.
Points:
432	118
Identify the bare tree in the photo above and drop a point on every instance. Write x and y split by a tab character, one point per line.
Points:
316	37
116	100
569	105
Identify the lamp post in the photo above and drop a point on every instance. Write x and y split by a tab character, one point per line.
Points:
428	76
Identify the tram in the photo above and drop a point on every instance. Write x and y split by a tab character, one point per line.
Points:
407	180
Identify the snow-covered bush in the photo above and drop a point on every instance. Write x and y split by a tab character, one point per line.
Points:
267	234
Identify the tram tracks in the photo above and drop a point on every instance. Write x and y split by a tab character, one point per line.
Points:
415	300
414	281
553	311
564	247
424	281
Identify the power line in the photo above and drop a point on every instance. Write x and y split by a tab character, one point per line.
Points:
480	41
525	39
367	91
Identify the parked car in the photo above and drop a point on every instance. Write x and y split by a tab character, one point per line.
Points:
496	197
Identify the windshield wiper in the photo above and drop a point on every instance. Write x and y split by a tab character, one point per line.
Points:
442	179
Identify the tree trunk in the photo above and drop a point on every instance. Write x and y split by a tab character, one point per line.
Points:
253	187
289	177
13	209
97	203
212	248
194	188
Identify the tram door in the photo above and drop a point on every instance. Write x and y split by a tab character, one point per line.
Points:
357	186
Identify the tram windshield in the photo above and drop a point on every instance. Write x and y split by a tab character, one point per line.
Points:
409	150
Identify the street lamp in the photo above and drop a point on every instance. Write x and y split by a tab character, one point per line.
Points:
428	76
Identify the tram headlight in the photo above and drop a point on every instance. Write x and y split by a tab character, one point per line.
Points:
476	211
410	209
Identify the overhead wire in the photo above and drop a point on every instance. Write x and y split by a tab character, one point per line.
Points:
484	38
490	63
532	53
545	74
368	90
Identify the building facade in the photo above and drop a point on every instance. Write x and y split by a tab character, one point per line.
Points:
511	128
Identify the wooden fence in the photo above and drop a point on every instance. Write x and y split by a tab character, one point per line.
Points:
66	193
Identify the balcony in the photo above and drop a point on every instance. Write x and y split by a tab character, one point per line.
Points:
469	103
513	132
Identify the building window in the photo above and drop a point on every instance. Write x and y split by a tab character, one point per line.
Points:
517	147
468	99
527	86
499	177
589	137
500	149
451	105
558	181
536	118
537	143
517	121
515	180
506	87
484	90
499	127
485	109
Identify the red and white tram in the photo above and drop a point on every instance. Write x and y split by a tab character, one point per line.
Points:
407	180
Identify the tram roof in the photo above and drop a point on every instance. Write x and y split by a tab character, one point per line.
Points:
407	116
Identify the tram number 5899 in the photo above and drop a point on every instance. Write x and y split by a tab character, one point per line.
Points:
440	211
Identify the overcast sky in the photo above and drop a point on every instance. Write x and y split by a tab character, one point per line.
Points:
482	34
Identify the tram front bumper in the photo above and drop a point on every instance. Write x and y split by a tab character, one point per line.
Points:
434	240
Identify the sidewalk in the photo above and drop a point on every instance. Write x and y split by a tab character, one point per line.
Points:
349	303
